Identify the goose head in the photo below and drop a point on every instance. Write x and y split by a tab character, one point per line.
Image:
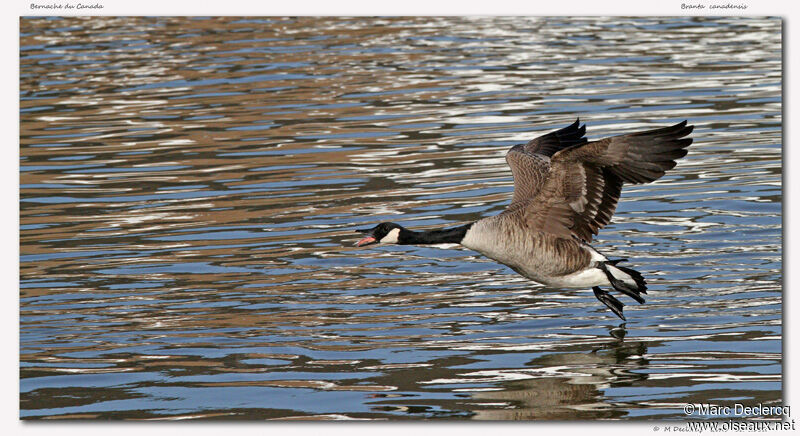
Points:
383	233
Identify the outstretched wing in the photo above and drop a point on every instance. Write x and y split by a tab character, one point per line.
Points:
530	163
637	157
582	187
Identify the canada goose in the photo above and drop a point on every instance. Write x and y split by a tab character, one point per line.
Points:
565	190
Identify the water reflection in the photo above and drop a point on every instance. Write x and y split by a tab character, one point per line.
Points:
189	188
568	386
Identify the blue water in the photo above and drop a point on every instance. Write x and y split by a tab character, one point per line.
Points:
190	189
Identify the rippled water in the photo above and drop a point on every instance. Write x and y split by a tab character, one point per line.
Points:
190	189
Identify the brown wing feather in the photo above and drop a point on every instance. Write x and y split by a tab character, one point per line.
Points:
530	163
530	172
583	184
577	200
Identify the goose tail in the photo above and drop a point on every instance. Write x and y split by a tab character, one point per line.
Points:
626	280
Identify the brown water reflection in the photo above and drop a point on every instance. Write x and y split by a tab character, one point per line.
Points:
190	189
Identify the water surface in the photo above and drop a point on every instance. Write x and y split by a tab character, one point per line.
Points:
190	189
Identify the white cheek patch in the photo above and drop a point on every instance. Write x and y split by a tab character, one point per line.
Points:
391	237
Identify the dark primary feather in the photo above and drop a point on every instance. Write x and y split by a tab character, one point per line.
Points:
636	157
549	144
574	191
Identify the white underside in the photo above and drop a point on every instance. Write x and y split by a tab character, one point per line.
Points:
580	280
590	277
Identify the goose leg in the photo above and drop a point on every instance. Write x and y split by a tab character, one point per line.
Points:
609	300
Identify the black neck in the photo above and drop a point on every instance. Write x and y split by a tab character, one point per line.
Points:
453	235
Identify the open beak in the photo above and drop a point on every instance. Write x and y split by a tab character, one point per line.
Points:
367	239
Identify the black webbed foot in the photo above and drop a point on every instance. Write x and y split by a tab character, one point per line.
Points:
609	300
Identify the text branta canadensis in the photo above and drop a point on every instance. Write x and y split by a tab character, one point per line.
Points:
565	189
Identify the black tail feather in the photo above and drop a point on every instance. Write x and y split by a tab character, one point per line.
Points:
641	284
619	285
